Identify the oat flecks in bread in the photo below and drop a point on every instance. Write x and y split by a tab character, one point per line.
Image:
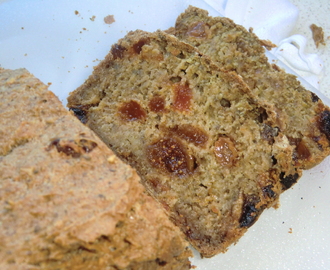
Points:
302	116
66	201
203	145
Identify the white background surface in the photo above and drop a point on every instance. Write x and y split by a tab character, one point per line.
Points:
315	11
49	39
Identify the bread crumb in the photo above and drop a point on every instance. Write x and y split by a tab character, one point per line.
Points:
76	12
93	18
267	44
112	159
318	34
109	19
290	230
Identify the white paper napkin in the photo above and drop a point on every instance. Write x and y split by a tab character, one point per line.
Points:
274	20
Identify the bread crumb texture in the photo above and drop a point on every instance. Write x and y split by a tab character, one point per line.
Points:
206	150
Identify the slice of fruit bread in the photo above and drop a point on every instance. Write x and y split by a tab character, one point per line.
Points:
203	145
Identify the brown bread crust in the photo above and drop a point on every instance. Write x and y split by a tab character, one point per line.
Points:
66	201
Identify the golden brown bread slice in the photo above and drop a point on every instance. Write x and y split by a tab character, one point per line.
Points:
66	201
302	116
199	139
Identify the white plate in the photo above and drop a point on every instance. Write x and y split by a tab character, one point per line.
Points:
61	47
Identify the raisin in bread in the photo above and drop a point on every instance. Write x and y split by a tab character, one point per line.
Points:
203	145
302	116
66	201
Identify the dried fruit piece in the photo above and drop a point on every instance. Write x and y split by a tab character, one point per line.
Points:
225	151
169	155
191	134
301	151
289	180
249	211
268	191
118	51
137	47
324	123
315	98
157	104
132	111
68	147
81	113
182	97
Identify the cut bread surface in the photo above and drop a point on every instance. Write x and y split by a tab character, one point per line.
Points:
204	145
66	201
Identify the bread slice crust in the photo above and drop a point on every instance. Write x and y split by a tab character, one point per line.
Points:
66	200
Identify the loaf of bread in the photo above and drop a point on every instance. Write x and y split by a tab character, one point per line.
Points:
302	116
66	201
203	144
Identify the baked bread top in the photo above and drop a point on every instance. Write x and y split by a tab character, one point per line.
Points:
302	116
66	201
201	141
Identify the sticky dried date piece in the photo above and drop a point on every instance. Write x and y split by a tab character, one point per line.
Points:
137	47
170	155
132	111
191	134
301	151
324	123
289	180
157	104
118	51
249	211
